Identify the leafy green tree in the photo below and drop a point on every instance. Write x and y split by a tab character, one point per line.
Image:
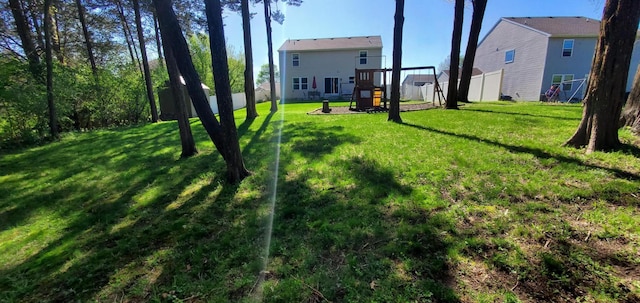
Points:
145	62
263	74
201	55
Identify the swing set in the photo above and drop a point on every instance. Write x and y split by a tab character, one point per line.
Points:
372	98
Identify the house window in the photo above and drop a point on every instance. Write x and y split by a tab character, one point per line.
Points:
509	56
363	57
300	83
567	47
565	80
352	79
296	59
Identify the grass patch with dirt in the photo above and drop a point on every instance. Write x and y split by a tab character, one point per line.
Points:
477	205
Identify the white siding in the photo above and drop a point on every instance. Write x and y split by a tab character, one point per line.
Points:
523	77
339	64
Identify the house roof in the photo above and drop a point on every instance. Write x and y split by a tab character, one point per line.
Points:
560	26
476	71
412	78
332	43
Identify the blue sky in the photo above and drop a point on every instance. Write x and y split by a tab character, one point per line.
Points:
427	27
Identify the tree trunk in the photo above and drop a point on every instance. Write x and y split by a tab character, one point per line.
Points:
249	90
174	39
236	170
394	104
272	84
598	129
145	63
186	136
157	36
133	51
631	115
53	120
24	31
479	7
54	35
34	10
456	37
87	38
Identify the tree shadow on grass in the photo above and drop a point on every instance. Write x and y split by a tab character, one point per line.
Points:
46	174
533	151
348	238
521	114
109	227
174	232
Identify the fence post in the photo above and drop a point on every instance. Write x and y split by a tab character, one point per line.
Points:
482	88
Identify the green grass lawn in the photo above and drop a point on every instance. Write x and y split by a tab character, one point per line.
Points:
477	205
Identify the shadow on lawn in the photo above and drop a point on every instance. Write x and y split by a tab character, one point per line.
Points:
345	240
110	227
521	114
164	229
533	151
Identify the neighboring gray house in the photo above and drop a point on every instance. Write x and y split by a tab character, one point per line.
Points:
411	84
443	76
263	91
536	52
330	63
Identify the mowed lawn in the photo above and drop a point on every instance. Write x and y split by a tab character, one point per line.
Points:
477	205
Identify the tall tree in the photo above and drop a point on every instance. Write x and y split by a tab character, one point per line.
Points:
479	7
156	29
235	164
631	114
133	51
53	120
456	37
272	80
598	129
54	33
186	136
249	90
87	37
394	105
24	31
34	7
145	63
176	41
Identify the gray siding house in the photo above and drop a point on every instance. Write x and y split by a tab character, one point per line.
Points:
330	63
537	52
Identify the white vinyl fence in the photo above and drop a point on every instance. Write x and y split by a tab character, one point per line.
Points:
484	87
239	101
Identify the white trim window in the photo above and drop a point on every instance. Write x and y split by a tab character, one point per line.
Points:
295	59
565	79
300	83
509	56
567	47
352	79
363	57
